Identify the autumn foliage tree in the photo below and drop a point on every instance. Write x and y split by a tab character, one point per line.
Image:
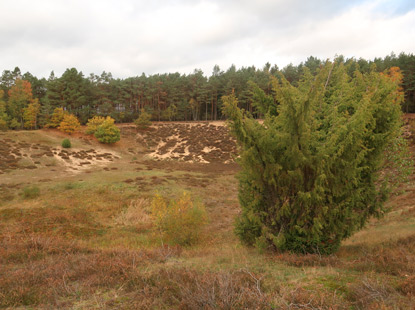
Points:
310	172
20	96
69	124
57	117
94	123
30	115
107	132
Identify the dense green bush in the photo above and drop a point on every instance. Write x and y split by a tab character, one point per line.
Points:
310	172
66	143
107	132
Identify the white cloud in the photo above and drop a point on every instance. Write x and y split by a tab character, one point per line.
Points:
130	37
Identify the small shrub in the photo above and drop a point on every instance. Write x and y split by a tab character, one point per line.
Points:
66	143
144	120
180	222
70	124
107	132
31	192
94	123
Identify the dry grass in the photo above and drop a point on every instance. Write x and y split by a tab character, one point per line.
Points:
394	258
137	214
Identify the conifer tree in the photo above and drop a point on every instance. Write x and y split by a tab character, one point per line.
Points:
310	172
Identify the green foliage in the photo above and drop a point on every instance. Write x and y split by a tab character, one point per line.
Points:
107	132
31	192
144	120
94	123
66	143
3	114
399	163
14	124
310	172
169	114
69	124
180	222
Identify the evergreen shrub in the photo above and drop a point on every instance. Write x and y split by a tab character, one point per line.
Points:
66	143
310	172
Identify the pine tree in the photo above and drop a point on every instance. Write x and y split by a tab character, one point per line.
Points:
310	172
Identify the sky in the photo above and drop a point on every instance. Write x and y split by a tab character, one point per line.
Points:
131	37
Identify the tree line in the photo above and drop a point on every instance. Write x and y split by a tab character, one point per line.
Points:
167	97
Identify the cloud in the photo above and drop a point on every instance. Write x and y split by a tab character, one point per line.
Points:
130	37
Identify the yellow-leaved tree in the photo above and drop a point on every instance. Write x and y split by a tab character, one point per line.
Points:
69	124
30	115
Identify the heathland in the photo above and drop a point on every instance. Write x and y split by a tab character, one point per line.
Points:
77	230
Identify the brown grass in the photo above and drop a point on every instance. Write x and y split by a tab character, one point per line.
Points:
394	258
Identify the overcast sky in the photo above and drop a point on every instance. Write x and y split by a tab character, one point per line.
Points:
127	37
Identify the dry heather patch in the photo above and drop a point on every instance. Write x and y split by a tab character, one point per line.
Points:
374	293
393	258
290	298
308	260
66	276
190	142
59	222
